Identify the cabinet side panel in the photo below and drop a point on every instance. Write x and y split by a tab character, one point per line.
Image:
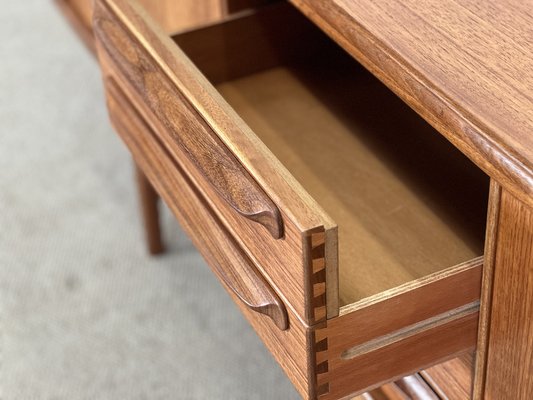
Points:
509	337
493	214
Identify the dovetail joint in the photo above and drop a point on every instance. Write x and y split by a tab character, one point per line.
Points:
318	284
318	274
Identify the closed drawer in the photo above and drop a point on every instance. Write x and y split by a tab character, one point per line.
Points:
356	221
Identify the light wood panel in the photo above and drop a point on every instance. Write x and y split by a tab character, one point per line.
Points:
406	202
464	65
508	357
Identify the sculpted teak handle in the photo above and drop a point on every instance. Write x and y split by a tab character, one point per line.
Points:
251	288
122	32
226	258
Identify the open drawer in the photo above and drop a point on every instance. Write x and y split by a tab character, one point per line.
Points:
349	232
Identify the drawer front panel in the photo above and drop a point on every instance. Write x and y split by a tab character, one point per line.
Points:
292	347
228	261
269	214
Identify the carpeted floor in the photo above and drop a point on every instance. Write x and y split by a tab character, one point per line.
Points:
85	313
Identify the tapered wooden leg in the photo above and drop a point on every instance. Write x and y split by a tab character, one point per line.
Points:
149	198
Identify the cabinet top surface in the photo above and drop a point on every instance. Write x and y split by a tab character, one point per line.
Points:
474	57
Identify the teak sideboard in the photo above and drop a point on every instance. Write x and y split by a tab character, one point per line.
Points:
356	173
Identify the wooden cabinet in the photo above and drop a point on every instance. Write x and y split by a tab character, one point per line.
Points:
350	232
353	268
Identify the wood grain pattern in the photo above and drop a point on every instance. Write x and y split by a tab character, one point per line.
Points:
188	130
491	243
462	65
292	347
281	261
148	199
453	379
79	13
394	309
236	271
458	78
387	337
423	348
389	325
316	242
508	357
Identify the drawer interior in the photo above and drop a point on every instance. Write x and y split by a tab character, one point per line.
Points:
407	203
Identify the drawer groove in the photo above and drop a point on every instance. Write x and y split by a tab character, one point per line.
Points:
396	360
402	334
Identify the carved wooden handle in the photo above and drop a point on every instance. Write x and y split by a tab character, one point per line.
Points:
251	288
115	26
224	255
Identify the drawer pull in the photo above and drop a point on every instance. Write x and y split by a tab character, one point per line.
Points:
224	255
252	289
184	124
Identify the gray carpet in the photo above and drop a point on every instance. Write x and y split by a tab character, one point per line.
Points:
85	313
